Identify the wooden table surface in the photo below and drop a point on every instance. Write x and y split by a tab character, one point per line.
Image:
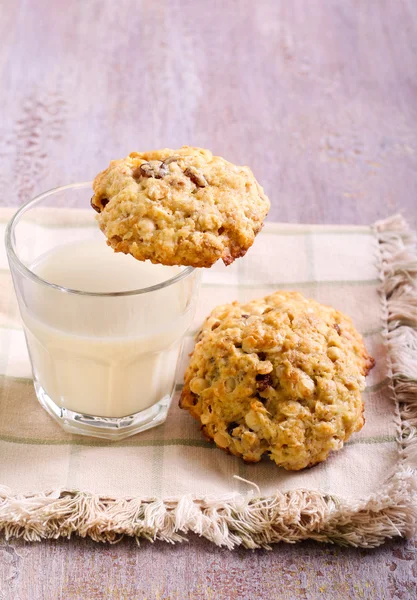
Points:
320	98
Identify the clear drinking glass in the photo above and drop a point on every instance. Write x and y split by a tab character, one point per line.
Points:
103	362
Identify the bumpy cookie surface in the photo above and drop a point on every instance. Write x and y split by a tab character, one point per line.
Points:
179	207
281	376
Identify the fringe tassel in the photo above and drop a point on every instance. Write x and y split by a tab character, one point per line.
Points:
256	522
399	296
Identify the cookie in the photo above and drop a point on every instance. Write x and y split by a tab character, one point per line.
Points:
179	207
281	376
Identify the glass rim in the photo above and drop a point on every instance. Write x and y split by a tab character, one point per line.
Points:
24	270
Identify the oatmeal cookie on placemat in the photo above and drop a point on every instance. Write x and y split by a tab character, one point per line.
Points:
179	207
281	376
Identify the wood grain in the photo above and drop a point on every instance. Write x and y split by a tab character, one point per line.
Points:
320	98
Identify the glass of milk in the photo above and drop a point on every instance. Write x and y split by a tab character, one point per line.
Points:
103	330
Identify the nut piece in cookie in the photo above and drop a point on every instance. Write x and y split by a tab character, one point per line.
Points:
179	207
281	376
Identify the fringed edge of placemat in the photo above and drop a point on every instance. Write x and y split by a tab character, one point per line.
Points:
255	522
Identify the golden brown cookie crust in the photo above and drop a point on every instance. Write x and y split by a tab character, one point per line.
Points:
179	207
281	376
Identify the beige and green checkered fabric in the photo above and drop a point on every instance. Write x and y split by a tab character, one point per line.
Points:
334	265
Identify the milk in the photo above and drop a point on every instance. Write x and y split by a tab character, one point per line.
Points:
105	356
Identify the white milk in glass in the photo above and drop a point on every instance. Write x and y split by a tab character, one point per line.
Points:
105	356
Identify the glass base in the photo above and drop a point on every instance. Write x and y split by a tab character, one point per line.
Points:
104	427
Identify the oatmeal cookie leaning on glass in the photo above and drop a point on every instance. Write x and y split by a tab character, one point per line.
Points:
179	207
